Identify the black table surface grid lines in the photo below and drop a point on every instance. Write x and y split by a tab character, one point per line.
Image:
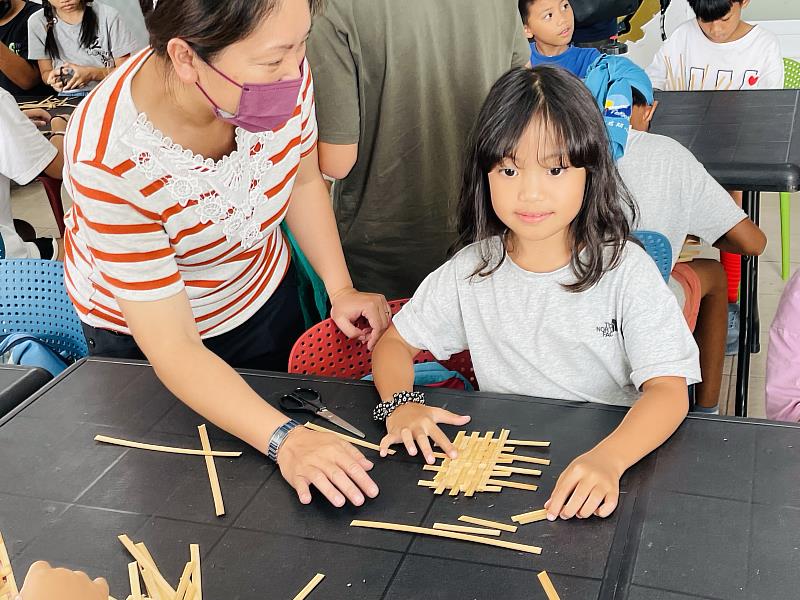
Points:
65	498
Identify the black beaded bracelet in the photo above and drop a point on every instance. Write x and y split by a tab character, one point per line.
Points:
384	409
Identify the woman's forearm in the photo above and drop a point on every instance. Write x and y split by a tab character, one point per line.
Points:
313	225
210	387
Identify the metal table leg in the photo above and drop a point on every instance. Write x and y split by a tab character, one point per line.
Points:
755	321
750	202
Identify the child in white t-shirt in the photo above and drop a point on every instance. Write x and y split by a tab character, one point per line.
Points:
547	294
718	51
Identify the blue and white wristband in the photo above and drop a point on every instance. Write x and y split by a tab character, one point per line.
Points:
278	437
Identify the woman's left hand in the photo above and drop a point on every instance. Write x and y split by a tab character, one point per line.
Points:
349	305
82	76
588	486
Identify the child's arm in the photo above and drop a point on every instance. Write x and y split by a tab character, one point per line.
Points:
43	582
744	238
412	424
590	484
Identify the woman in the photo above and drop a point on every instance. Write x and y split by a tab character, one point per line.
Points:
77	44
181	166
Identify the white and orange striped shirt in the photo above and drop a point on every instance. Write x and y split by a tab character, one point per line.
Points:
150	219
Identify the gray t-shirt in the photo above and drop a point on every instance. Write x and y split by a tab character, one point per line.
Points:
527	335
675	194
114	40
405	79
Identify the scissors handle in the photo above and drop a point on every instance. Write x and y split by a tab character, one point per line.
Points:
295	402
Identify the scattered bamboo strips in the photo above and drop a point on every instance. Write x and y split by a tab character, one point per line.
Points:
548	587
487	523
530	517
310	586
189	586
480	461
352	440
462	529
141	446
219	505
447	534
8	585
48	103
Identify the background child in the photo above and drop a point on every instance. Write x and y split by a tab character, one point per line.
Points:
676	196
78	43
547	295
549	25
718	51
783	356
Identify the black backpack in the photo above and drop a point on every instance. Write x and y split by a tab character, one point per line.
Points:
588	12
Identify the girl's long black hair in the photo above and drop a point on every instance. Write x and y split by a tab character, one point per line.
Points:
89	28
569	118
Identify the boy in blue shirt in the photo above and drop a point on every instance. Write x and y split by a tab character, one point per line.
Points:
549	25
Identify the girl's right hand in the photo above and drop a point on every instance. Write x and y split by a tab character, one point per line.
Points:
328	463
54	80
414	422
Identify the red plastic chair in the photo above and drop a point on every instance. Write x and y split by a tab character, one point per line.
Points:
324	350
52	187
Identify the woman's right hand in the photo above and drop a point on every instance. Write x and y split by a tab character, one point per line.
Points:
412	424
328	463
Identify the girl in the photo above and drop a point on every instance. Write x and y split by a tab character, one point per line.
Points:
182	166
547	294
78	43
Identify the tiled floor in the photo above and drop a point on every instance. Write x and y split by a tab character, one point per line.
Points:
30	203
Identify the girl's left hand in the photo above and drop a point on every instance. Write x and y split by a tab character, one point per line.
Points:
82	76
588	486
348	306
43	582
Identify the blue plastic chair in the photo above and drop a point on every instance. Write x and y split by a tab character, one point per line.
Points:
657	246
33	300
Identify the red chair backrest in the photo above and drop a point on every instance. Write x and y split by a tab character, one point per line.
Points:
324	350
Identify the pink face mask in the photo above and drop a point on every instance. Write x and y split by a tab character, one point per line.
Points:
262	106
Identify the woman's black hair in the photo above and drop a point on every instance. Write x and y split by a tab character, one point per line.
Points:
208	26
712	10
89	28
570	118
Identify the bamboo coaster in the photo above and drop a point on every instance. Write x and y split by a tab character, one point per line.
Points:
530	517
155	448
462	529
487	523
219	505
549	589
310	586
447	534
352	440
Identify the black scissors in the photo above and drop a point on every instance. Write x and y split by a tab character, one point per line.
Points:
308	400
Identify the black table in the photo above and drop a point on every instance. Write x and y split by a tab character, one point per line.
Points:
17	383
715	513
748	141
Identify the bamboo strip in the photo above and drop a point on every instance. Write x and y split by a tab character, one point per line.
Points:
142	556
447	534
133	575
530	517
310	586
487	523
548	587
219	505
141	446
462	529
194	552
352	440
525	459
527	443
434	484
183	583
520	470
513	484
